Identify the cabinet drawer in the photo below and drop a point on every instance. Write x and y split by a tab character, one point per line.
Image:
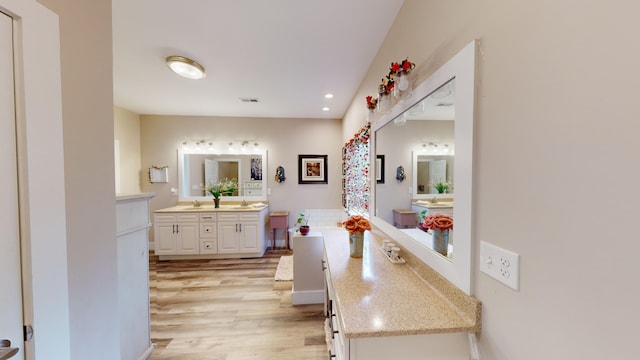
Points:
166	218
238	217
208	230
207	217
188	217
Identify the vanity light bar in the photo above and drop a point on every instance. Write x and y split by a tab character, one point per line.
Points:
209	145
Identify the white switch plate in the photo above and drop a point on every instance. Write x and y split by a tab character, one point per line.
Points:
502	265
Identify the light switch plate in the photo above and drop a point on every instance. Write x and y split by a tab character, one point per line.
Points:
502	265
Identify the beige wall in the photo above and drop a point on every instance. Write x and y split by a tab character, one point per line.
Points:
87	111
556	94
127	132
284	139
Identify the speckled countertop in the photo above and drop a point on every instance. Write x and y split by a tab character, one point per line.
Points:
378	298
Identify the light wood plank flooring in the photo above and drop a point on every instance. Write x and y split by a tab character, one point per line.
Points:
230	310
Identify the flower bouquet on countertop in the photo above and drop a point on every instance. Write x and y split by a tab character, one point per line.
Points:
437	222
356	223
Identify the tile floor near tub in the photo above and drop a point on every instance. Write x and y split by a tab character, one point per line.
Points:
231	310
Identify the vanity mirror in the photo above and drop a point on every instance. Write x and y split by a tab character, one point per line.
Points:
198	168
439	112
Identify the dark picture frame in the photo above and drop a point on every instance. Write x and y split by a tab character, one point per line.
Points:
380	169
312	169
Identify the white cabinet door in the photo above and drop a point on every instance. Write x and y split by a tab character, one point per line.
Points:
227	238
188	240
248	238
164	238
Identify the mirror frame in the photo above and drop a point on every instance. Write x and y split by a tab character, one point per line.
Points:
228	155
414	179
462	68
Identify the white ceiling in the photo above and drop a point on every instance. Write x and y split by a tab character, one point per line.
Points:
286	53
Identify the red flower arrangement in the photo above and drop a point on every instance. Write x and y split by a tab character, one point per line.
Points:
386	86
356	223
404	67
371	102
438	221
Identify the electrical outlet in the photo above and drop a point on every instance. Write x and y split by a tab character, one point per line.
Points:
502	265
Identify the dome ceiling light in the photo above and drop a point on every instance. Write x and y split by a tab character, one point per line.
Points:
186	67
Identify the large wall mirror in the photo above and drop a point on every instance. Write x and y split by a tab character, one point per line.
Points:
430	134
196	169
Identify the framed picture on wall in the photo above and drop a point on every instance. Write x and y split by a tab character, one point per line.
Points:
380	169
312	169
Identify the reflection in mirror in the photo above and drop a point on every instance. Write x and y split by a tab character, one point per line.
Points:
199	169
434	174
434	139
427	138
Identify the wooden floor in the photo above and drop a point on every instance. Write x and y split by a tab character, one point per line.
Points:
231	310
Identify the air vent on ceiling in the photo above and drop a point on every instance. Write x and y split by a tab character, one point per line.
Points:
250	100
444	104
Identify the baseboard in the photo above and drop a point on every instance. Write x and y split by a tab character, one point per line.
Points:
307	297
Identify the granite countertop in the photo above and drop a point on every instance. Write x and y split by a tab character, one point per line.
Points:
210	208
378	298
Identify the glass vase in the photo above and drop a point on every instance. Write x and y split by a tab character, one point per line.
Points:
441	241
403	86
356	244
384	103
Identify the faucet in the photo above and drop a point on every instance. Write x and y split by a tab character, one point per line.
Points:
244	203
434	200
196	203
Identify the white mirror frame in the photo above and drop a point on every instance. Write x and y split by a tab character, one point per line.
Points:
230	154
462	68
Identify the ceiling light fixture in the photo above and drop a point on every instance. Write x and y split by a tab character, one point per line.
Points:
328	96
186	67
326	108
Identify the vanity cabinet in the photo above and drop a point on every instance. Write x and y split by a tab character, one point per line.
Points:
209	233
239	232
176	233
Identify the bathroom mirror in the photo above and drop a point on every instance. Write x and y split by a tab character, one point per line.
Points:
400	136
199	168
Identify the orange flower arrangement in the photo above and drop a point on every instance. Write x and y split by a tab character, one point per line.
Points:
356	223
438	221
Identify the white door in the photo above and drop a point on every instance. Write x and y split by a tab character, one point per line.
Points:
10	279
211	175
437	173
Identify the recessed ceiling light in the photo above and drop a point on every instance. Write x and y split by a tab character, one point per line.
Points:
326	108
328	96
186	67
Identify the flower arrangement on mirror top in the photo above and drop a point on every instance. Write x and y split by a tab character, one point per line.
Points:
226	186
371	102
386	85
437	222
403	67
356	223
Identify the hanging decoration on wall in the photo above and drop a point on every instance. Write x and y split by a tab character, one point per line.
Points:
279	177
400	175
355	172
158	174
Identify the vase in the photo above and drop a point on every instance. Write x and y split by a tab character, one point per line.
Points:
304	229
384	103
216	202
356	244
402	88
441	241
